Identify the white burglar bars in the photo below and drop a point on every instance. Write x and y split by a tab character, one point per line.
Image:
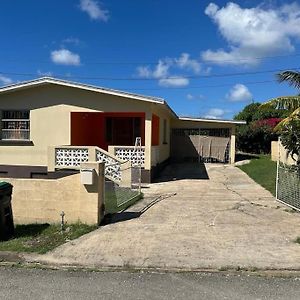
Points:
15	125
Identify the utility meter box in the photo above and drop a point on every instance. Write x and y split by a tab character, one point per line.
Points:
87	176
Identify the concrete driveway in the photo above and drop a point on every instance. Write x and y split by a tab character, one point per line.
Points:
195	217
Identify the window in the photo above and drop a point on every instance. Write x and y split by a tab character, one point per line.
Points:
165	132
15	125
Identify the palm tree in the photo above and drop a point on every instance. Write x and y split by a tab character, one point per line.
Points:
289	103
288	128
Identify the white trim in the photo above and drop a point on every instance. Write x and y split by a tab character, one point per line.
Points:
49	80
212	120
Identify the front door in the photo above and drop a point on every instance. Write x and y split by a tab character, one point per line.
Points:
123	131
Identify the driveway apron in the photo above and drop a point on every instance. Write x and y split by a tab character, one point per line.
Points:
195	217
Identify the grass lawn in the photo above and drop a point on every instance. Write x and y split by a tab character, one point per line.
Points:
262	170
41	238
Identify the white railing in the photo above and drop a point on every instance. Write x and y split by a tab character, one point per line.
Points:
112	164
70	157
129	153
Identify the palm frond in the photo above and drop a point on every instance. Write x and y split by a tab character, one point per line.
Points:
292	77
283	124
290	103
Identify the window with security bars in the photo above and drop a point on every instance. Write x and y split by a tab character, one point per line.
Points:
15	125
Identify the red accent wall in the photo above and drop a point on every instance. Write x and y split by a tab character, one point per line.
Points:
88	128
155	130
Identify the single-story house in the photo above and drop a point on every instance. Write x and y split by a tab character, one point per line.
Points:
47	112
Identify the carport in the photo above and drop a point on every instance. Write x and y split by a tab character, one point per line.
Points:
203	140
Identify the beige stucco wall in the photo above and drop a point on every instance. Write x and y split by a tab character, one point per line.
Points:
278	152
50	107
42	200
162	152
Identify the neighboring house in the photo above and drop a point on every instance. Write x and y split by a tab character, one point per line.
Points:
40	116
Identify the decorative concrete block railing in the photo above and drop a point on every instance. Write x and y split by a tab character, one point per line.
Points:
112	164
129	153
70	157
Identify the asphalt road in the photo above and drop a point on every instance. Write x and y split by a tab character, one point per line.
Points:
21	283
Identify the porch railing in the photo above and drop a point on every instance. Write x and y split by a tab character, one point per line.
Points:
129	153
70	157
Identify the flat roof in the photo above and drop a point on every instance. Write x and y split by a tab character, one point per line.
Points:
212	120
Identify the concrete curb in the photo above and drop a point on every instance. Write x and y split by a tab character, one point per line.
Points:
12	257
19	260
286	273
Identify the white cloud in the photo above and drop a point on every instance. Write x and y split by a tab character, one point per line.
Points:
215	113
41	73
174	81
239	93
94	10
162	71
144	72
5	80
65	57
190	96
71	40
253	32
185	62
194	97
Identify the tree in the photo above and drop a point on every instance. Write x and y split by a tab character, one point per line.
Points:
289	127
252	112
289	103
257	134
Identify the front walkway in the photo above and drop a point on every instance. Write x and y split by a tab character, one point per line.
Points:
224	221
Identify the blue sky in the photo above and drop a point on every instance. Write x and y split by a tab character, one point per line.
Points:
205	58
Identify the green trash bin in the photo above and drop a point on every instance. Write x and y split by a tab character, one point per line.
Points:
6	216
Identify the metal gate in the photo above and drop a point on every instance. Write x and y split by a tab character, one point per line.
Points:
210	145
288	185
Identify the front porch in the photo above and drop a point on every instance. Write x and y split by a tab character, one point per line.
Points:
115	134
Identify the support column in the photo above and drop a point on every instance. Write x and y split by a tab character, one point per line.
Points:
148	142
232	146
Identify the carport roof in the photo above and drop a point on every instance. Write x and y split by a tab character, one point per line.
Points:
213	120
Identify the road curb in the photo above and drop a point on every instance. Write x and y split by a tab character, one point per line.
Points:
20	261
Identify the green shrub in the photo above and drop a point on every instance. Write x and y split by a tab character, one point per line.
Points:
253	139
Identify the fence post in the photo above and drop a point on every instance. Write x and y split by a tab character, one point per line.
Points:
277	178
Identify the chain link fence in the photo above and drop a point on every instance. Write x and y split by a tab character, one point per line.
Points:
288	185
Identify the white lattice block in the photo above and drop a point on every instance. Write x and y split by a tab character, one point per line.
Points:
70	157
135	156
112	166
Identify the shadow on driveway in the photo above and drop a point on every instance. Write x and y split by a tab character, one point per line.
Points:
184	170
